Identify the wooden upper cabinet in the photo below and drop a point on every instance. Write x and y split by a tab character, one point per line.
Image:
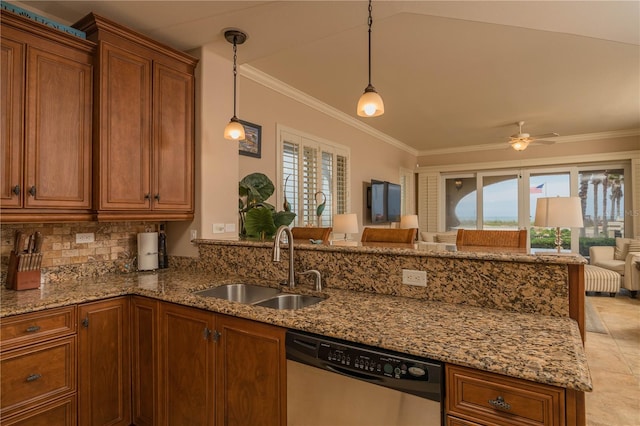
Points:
173	138
58	131
11	142
46	103
144	137
124	142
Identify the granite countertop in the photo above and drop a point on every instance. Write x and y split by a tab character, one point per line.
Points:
533	347
478	253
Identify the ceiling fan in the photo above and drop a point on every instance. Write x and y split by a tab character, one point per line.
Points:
520	141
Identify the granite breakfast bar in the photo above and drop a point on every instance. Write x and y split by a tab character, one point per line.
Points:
539	344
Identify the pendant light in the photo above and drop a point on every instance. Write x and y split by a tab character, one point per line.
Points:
370	103
234	130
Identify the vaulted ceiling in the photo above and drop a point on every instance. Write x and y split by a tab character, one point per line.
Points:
452	74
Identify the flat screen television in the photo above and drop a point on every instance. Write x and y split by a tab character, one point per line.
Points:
385	202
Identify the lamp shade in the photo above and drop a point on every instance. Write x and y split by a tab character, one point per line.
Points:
409	221
370	104
559	212
520	145
345	223
234	130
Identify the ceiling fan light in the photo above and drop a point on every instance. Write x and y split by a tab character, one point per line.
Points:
520	145
370	103
234	130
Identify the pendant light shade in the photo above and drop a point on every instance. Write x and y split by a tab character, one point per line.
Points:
234	130
370	103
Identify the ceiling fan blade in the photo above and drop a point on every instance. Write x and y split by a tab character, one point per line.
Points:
543	142
546	135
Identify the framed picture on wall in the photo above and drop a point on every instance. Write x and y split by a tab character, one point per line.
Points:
252	142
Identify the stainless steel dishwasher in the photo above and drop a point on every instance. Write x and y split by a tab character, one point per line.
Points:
337	383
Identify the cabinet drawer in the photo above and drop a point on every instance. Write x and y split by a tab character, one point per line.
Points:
36	327
486	397
61	412
36	374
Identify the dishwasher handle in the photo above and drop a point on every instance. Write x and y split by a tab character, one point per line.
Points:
354	374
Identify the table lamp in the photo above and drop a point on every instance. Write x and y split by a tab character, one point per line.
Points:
345	224
565	212
410	221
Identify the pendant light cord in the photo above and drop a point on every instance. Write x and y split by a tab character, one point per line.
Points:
370	22
235	72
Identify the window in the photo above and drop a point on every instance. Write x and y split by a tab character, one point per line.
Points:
507	200
313	173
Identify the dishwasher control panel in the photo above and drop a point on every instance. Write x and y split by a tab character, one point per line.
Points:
372	363
402	372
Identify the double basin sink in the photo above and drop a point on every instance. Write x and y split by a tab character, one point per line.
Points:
267	297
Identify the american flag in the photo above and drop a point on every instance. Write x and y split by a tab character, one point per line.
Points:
536	189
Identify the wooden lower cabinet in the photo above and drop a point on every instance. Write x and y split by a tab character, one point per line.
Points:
478	397
60	412
186	360
104	373
251	367
144	360
211	369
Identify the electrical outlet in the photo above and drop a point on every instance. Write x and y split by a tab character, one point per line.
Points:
88	237
218	228
411	277
194	234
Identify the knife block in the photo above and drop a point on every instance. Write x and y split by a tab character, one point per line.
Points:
21	280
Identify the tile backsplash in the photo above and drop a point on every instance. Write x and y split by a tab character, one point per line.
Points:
113	241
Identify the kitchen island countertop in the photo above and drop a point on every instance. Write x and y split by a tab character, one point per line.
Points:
539	348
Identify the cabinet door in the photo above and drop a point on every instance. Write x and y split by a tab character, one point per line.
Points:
186	378
125	130
144	326
12	107
173	147
251	366
57	128
104	374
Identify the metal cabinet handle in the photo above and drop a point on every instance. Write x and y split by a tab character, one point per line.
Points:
16	190
214	334
33	377
32	191
500	403
85	322
147	196
157	197
33	329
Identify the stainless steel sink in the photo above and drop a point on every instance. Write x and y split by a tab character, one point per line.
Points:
242	293
290	301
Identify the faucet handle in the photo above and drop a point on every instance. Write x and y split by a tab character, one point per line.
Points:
318	277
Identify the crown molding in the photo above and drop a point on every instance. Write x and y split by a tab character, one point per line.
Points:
268	81
557	139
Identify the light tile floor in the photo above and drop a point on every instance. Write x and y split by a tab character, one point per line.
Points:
614	361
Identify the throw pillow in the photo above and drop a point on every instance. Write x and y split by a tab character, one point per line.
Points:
446	238
633	246
428	236
622	248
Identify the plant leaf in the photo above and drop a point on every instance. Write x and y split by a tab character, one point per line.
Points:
259	220
258	186
283	218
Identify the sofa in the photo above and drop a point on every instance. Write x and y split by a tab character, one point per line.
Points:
622	259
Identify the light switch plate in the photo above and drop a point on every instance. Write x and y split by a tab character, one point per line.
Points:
229	227
218	228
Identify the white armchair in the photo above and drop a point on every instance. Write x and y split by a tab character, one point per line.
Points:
620	260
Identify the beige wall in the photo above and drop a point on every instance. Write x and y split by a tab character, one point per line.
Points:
219	167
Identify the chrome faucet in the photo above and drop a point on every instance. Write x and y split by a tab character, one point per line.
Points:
291	281
317	276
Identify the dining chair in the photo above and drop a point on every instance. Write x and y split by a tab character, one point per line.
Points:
311	233
388	235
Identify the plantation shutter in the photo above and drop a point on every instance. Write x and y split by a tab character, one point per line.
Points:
309	186
341	184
